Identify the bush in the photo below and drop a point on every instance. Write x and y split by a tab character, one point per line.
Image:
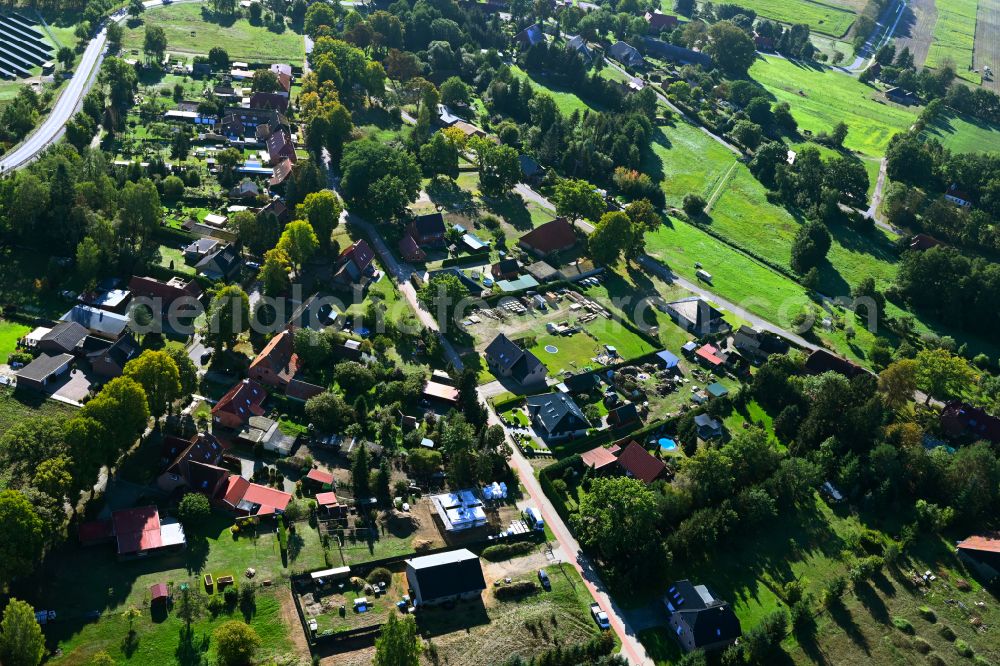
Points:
231	595
935	660
921	646
235	643
947	632
694	205
928	614
380	575
505	551
903	625
516	590
193	510
981	661
963	649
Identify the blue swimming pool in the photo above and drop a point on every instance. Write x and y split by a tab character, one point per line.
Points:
667	444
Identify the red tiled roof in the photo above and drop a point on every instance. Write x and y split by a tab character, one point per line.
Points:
244	400
279	356
158	591
280	172
598	458
235	491
360	253
981	543
269	499
551	236
321	477
327	499
137	529
708	352
639	463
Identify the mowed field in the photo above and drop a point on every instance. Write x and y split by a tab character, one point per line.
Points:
965	135
829	17
684	159
189	31
567	101
954	37
820	98
987	49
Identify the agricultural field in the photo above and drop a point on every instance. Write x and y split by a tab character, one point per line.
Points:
191	30
916	29
954	37
964	135
685	159
829	17
987	46
820	98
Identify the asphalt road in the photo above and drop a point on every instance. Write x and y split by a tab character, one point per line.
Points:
69	101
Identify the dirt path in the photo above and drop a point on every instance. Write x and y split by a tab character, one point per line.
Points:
291	619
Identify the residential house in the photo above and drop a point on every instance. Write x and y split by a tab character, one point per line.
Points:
505	269
820	361
555	416
139	532
201	248
107	325
269	100
281	69
758	345
110	361
623	415
277	362
44	371
195	463
330	506
253	118
711	356
982	553
659	22
445	118
409	250
958	196
280	173
532	172
549	238
603	459
242	401
530	36
579	44
900	96
428	230
626	54
637	463
696	316
108	299
280	147
231	127
277	208
162	296
699	619
667	51
961	420
245	189
63	338
508	361
222	264
445	577
355	263
707	427
245	498
923	242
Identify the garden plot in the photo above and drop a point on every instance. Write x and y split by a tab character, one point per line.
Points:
353	603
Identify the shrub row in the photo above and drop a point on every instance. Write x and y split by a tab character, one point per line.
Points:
505	551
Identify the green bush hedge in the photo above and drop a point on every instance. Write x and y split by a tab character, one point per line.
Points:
505	551
516	590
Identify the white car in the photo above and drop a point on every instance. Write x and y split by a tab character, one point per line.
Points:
600	617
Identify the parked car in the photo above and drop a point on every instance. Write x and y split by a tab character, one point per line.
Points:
600	617
543	578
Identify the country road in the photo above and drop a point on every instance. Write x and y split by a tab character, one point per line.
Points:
70	99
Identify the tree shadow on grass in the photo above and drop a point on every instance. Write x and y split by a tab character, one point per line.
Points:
869	598
513	209
191	652
218	18
446	193
845	621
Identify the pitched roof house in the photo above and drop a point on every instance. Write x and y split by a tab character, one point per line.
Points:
637	463
108	325
140	532
242	401
659	22
409	249
549	238
556	416
530	36
699	619
164	294
982	552
63	338
43	371
626	54
280	173
445	577
110	361
427	230
506	360
280	147
505	269
758	345
667	51
696	315
959	419
277	362
579	44
269	100
355	262
708	428
221	264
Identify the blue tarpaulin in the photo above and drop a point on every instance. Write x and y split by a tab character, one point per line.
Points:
668	359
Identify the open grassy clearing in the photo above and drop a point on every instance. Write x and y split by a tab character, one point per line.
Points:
954	37
111	586
567	101
821	97
987	46
964	135
684	160
10	333
190	29
576	351
16	407
831	17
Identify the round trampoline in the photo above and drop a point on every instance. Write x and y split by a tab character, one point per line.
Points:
667	444
552	349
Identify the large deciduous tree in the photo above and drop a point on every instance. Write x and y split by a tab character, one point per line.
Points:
228	315
398	644
379	181
157	374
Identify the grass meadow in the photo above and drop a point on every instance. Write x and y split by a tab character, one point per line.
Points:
828	17
684	160
821	97
567	101
191	29
954	37
964	135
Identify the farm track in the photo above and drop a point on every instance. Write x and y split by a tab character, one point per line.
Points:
916	29
721	187
987	47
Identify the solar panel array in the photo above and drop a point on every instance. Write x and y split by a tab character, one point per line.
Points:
22	47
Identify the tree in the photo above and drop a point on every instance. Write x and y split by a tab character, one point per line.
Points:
187	372
379	180
53	477
455	91
423	462
398	644
684	7
838	134
102	658
942	375
264	80
578	199
733	50
440	295
235	643
811	244
19	553
439	156
329	412
694	205
898	382
612	235
746	133
88	262
228	315
21	639
499	168
155	42
193	511
189	606
299	242
322	210
135	8
258	232
361	475
218	57
275	272
115	35
66	56
382	479
158	376
643	215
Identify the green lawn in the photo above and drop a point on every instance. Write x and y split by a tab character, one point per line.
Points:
10	333
110	586
173	259
577	350
26	405
684	159
964	135
821	97
567	101
190	30
954	37
830	17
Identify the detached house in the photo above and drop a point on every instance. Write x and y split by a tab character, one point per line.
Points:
445	577
222	264
110	361
355	263
549	238
162	295
958	196
626	54
696	316
242	401
63	338
699	619
508	361
555	416
428	230
280	147
268	100
659	22
277	363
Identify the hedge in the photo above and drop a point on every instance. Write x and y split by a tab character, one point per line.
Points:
505	551
465	259
516	590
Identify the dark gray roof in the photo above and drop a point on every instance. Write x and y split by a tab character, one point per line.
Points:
446	574
557	413
511	358
625	53
666	50
429	224
709	619
43	366
98	321
120	353
529	165
66	335
222	261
